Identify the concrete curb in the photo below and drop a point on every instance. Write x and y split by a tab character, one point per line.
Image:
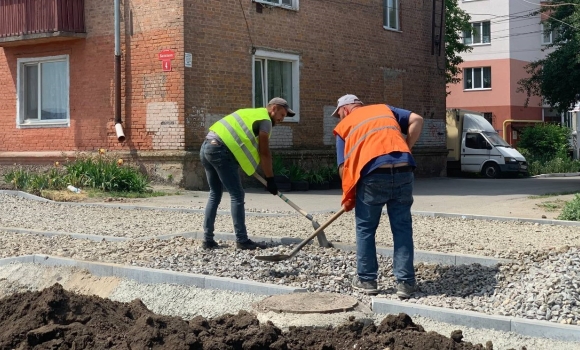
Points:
151	276
556	175
134	207
423	256
533	328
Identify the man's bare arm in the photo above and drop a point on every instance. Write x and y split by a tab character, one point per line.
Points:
265	154
415	127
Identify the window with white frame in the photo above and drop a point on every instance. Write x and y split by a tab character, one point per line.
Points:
480	34
391	15
293	4
43	91
548	36
276	74
477	78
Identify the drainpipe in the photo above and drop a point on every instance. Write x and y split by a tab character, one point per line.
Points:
505	122
118	126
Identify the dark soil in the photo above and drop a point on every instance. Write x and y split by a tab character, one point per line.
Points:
57	319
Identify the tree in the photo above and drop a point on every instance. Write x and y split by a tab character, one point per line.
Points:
555	77
456	23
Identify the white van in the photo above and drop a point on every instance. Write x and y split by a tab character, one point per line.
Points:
475	147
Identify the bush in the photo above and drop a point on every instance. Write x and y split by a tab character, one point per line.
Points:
571	210
102	172
545	141
296	173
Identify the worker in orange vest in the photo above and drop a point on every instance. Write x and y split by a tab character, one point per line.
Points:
376	167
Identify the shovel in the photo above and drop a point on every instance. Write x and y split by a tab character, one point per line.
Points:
280	257
322	241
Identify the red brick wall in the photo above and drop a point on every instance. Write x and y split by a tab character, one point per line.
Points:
155	26
343	48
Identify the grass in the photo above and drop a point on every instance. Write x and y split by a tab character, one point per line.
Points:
100	194
551	206
553	194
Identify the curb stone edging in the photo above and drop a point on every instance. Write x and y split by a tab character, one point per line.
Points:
556	175
423	256
149	275
473	319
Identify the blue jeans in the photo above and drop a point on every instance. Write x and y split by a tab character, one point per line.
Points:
373	192
221	169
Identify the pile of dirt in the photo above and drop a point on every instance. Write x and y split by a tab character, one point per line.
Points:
57	319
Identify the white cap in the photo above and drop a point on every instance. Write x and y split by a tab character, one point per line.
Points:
345	100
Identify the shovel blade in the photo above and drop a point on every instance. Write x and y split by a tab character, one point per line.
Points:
273	258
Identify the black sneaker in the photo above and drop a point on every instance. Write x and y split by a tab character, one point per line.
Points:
209	244
250	245
368	287
406	290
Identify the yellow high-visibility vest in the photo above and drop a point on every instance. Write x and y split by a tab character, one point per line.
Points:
235	130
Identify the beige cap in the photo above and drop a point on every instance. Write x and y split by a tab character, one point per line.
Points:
345	100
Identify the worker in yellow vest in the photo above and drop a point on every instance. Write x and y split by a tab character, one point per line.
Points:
376	166
240	139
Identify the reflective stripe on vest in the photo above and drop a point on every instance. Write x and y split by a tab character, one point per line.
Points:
239	141
362	138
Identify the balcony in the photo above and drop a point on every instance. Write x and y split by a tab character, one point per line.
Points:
27	22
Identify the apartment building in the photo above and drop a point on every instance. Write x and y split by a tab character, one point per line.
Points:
507	35
186	63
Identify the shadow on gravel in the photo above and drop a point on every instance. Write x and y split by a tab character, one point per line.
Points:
457	281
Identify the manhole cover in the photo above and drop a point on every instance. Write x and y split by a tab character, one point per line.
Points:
308	303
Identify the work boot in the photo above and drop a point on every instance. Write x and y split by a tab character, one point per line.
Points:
405	290
368	287
250	245
209	244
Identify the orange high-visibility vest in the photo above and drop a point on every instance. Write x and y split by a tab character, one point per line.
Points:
368	132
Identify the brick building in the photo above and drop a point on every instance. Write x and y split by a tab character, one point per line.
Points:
57	70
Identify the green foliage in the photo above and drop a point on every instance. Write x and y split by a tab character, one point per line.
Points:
296	173
571	210
555	78
279	167
101	172
315	177
545	141
456	22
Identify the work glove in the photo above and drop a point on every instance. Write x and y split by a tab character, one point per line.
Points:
348	205
271	186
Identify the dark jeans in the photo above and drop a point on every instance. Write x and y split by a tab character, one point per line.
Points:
221	169
373	192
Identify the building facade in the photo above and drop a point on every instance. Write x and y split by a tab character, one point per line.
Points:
507	35
187	63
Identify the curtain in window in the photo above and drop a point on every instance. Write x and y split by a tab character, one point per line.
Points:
486	31
54	96
31	92
487	77
259	84
280	80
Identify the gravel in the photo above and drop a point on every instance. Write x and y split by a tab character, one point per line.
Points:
541	284
489	238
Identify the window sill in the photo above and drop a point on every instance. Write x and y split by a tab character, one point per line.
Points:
294	119
392	30
469	90
286	7
475	45
46	124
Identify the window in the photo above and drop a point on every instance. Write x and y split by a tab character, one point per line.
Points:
276	75
293	4
477	78
391	15
43	91
489	117
475	141
480	34
549	36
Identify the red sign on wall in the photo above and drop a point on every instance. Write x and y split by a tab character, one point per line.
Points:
166	55
166	66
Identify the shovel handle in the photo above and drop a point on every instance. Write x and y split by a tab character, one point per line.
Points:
318	230
285	199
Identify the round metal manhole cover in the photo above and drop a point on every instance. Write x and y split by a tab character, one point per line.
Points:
308	303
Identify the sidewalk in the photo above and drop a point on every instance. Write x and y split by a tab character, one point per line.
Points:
500	197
